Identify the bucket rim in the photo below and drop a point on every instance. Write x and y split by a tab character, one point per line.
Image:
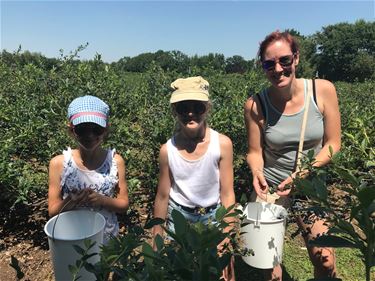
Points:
51	220
266	221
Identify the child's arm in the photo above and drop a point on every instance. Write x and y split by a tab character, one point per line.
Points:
227	196
55	201
120	203
164	186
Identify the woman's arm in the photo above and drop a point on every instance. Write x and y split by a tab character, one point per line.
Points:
254	158
328	103
164	186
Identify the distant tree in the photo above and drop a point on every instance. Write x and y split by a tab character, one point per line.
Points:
120	65
168	61
236	64
208	64
139	63
307	49
172	61
346	52
21	58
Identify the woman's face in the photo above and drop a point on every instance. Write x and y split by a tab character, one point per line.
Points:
280	63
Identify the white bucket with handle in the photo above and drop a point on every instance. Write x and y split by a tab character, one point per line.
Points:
264	234
72	228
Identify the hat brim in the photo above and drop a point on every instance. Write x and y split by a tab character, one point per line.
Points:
90	119
177	97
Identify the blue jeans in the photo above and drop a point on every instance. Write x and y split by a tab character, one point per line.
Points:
191	217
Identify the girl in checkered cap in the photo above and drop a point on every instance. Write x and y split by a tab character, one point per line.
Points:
89	176
196	170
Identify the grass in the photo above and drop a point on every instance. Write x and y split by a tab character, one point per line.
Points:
297	266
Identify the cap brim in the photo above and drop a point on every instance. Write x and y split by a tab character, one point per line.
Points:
177	97
90	119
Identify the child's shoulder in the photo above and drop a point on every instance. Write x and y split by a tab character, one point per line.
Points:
57	162
118	157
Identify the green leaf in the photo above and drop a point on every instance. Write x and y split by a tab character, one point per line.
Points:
88	243
347	176
79	250
220	213
147	250
159	242
180	223
332	241
350	136
155	221
366	196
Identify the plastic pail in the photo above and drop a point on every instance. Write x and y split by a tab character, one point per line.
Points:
72	228
264	234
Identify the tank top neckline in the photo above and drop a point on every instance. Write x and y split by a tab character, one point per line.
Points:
87	170
173	141
266	95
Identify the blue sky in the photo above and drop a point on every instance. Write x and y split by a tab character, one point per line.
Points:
116	29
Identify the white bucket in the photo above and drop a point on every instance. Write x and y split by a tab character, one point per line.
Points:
72	228
264	234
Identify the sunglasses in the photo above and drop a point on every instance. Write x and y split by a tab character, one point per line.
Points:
284	61
186	107
83	130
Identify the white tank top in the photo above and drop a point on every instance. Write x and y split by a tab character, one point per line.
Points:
195	183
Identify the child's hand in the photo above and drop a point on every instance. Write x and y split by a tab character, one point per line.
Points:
95	199
79	198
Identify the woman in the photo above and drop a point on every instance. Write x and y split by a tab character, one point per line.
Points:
273	122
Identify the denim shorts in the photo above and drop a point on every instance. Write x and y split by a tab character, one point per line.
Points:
191	217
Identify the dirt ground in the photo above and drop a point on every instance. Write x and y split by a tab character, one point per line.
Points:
22	236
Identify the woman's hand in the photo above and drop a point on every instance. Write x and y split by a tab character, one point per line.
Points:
284	188
260	185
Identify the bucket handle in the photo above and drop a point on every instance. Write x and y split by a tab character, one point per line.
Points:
58	215
257	223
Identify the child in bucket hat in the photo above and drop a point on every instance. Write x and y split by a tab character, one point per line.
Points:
89	176
195	164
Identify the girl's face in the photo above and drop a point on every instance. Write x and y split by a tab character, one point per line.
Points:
191	113
280	63
89	135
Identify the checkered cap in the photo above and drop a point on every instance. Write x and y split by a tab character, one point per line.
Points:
88	109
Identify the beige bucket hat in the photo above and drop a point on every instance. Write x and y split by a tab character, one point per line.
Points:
191	88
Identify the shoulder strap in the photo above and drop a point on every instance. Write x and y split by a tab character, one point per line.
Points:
262	105
314	91
304	121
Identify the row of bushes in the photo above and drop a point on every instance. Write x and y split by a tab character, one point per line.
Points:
33	119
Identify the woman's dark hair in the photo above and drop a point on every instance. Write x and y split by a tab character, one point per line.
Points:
277	36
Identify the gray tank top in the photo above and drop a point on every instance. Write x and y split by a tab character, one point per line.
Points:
282	134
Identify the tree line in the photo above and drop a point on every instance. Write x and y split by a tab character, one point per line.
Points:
339	52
